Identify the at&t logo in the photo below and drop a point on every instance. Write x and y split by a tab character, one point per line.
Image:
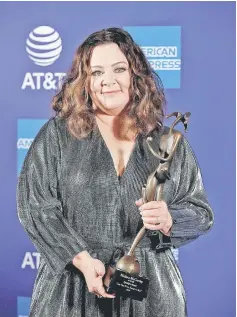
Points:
44	47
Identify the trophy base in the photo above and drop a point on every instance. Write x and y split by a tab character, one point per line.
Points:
124	284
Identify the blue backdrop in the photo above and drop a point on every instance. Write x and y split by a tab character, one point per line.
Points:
204	83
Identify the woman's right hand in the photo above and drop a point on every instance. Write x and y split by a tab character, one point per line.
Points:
93	271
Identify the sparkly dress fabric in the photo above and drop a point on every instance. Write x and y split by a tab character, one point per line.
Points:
70	199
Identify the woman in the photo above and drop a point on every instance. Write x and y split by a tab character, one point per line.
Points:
80	187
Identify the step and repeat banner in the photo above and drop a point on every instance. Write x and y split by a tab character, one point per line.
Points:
192	48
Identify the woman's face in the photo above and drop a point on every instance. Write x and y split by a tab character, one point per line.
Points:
110	79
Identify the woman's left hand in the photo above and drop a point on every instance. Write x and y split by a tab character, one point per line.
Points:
155	215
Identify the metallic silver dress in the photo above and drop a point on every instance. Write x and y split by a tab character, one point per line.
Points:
70	199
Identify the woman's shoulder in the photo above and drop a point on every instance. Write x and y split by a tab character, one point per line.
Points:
55	124
52	135
55	128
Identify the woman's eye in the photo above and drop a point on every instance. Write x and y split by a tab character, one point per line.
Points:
96	73
120	70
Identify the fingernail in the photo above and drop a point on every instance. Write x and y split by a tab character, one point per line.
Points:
140	208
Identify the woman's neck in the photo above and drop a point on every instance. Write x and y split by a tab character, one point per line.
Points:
115	125
106	119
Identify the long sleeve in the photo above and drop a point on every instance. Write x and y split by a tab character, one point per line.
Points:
189	208
39	202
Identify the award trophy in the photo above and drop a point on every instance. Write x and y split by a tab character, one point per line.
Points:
122	274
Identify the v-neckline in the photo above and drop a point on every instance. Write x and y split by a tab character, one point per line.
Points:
119	178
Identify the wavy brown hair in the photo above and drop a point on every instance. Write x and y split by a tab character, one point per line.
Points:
145	110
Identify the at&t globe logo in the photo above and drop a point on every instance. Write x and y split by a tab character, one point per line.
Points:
44	46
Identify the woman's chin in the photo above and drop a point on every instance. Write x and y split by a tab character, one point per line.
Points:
113	109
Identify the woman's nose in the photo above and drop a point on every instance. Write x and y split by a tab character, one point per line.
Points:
108	79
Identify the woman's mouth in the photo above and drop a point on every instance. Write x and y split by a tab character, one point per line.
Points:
112	92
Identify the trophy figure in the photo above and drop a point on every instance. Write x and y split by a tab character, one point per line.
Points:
122	275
